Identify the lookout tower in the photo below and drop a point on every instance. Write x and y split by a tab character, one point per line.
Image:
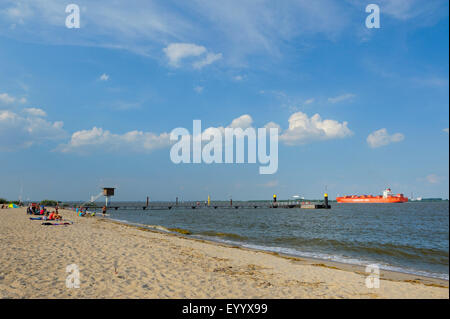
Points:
108	192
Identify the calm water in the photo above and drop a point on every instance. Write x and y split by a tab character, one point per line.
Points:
409	237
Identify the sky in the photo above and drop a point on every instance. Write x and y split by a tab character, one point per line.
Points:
358	109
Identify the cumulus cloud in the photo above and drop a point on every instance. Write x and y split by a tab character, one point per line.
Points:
341	98
35	112
26	128
5	99
104	77
381	137
176	52
243	122
273	125
97	139
303	129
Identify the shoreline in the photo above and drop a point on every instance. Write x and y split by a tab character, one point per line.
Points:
385	274
118	260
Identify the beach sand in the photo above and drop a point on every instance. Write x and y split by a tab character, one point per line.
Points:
121	261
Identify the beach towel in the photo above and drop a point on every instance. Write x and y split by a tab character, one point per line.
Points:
57	224
42	218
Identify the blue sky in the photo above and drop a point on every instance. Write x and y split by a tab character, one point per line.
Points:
90	107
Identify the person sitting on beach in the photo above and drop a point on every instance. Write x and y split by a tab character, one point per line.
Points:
57	216
29	212
51	216
81	213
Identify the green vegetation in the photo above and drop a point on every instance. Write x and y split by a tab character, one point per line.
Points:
3	201
48	202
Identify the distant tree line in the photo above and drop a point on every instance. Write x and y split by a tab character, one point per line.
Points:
5	201
48	202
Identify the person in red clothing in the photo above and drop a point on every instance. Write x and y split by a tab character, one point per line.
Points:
52	216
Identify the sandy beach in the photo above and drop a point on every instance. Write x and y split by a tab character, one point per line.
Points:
122	261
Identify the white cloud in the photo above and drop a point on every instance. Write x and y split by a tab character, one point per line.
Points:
445	130
303	129
273	125
209	59
23	130
244	121
341	98
381	137
104	77
97	139
238	78
175	52
35	112
5	98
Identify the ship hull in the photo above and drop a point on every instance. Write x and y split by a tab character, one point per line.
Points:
372	200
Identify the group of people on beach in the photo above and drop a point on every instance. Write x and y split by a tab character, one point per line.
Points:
40	210
83	211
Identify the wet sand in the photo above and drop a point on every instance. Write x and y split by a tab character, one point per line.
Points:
122	261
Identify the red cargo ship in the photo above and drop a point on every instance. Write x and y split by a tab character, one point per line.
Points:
387	197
